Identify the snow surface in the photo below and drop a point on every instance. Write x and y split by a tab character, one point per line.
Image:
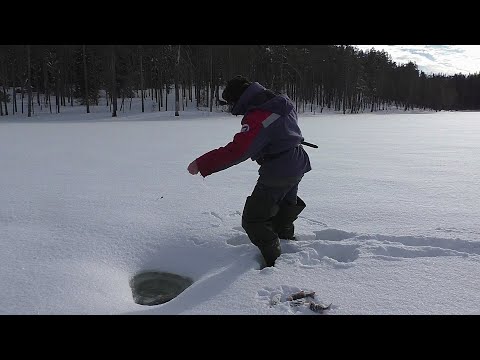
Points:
87	201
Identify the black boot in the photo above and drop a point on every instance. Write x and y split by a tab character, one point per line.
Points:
282	222
271	252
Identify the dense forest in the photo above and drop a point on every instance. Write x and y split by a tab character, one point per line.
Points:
341	78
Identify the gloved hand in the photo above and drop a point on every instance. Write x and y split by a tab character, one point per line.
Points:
193	168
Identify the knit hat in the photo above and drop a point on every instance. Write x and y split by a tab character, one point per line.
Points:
235	88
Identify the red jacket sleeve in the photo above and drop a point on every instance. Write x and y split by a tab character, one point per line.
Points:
235	151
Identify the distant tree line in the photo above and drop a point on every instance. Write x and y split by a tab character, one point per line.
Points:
342	78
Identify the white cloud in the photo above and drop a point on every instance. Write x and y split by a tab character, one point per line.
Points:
437	59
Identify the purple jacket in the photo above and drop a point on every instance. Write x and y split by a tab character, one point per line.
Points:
269	135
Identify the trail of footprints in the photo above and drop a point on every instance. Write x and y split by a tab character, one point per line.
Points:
342	248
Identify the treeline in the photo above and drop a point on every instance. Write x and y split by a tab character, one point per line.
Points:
341	78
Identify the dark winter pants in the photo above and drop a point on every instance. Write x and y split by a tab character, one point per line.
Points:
269	214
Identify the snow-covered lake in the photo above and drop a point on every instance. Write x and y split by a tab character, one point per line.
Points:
86	201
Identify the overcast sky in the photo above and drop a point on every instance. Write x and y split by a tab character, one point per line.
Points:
437	59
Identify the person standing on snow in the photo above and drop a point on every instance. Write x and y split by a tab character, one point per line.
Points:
269	135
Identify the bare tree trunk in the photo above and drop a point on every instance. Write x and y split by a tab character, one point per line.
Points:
57	92
177	95
5	98
166	96
114	84
72	81
64	78
38	93
312	96
14	93
161	91
85	74
29	83
211	78
45	80
5	81
33	108
140	50
183	97
190	91
197	92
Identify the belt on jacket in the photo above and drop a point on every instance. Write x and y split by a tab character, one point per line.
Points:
269	157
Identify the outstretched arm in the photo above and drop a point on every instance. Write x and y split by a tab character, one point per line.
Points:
244	144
